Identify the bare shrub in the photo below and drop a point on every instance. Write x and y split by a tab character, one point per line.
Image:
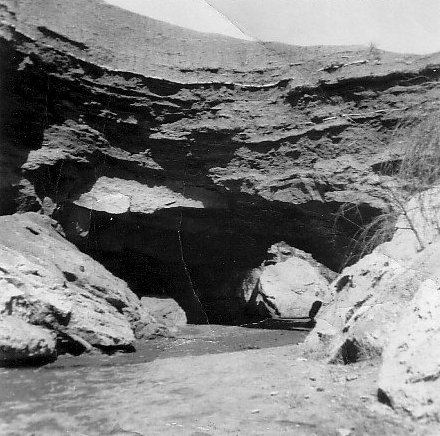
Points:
374	54
420	166
417	171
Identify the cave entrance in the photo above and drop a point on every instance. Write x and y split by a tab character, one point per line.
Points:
199	257
149	277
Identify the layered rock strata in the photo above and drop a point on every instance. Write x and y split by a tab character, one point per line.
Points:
186	156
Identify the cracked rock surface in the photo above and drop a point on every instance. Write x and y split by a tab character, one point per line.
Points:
121	114
144	139
47	282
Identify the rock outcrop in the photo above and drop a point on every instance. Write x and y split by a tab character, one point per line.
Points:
174	159
291	284
189	154
410	376
387	305
368	297
23	343
48	283
166	311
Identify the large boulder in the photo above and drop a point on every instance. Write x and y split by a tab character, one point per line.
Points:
369	296
23	343
291	284
366	298
46	281
166	310
409	379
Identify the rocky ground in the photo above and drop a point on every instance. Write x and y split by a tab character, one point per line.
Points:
148	142
152	176
61	297
258	392
369	366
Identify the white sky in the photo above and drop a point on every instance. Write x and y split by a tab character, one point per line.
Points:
411	26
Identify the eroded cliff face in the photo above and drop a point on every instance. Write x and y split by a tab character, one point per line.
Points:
177	158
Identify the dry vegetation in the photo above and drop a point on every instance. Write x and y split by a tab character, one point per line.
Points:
417	171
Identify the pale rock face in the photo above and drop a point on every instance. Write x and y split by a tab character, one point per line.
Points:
118	196
369	296
23	343
417	227
47	281
291	285
410	375
166	311
364	302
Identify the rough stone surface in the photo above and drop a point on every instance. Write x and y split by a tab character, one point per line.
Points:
410	376
369	296
23	343
166	311
47	281
290	284
417	227
266	392
141	137
366	299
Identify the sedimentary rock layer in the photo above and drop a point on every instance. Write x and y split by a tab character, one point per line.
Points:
190	154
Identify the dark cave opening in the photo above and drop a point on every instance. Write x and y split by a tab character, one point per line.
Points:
200	269
198	257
